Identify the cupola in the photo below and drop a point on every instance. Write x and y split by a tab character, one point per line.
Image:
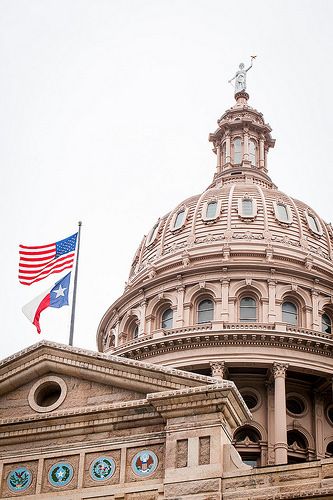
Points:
242	139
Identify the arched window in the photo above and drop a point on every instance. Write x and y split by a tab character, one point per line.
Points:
248	309
237	151
326	324
297	447
252	153
152	234
135	331
247	442
329	449
205	311
289	313
167	318
224	154
179	219
211	210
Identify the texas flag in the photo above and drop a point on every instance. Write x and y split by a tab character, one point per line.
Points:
56	296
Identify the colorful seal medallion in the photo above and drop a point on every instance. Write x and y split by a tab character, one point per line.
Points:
102	468
144	463
19	479
60	474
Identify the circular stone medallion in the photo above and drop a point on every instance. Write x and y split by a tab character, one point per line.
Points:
60	474
144	463
102	468
19	479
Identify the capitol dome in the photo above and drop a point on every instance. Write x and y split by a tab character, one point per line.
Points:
237	283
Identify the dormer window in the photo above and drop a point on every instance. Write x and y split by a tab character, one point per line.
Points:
152	234
178	219
210	210
252	153
282	212
237	151
313	223
247	208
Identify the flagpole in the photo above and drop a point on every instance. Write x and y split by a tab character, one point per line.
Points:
71	332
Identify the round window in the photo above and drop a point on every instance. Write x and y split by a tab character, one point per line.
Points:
251	400
47	394
251	397
295	405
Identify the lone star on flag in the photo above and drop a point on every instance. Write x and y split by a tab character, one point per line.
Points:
59	292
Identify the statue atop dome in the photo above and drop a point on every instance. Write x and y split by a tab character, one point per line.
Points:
240	77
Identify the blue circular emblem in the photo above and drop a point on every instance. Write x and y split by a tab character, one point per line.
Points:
102	468
60	474
144	463
19	479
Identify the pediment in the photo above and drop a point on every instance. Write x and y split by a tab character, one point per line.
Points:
88	378
61	392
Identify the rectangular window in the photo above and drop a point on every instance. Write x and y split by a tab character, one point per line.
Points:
211	210
247	207
282	212
179	219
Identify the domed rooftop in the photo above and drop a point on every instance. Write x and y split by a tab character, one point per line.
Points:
241	231
241	212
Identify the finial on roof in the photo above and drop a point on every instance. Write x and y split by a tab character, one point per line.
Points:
240	78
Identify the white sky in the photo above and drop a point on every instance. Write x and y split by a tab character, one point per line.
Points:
105	110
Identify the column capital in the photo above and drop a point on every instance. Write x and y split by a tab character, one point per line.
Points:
218	369
279	369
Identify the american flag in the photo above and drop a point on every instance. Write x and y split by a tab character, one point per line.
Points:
38	262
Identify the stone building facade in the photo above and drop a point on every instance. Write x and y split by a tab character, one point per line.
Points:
214	373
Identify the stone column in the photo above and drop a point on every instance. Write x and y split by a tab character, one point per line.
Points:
270	423
319	424
280	413
271	301
261	152
315	312
228	148
218	159
142	318
218	370
246	145
225	299
180	307
116	334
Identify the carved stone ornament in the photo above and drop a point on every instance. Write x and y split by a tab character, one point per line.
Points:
218	369
279	369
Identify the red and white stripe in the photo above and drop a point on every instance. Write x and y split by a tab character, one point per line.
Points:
38	262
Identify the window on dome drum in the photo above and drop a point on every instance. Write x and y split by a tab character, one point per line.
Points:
289	313
248	309
179	219
326	324
313	223
252	153
282	212
152	235
247	207
250	399
224	154
211	210
167	318
237	151
136	332
205	311
298	447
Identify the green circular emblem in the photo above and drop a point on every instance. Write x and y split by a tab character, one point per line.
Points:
60	474
102	468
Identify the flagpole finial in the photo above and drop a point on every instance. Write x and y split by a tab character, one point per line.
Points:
79	223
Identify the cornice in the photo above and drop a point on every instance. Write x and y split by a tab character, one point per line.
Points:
106	368
233	334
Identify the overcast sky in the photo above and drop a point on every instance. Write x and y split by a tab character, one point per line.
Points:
105	110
